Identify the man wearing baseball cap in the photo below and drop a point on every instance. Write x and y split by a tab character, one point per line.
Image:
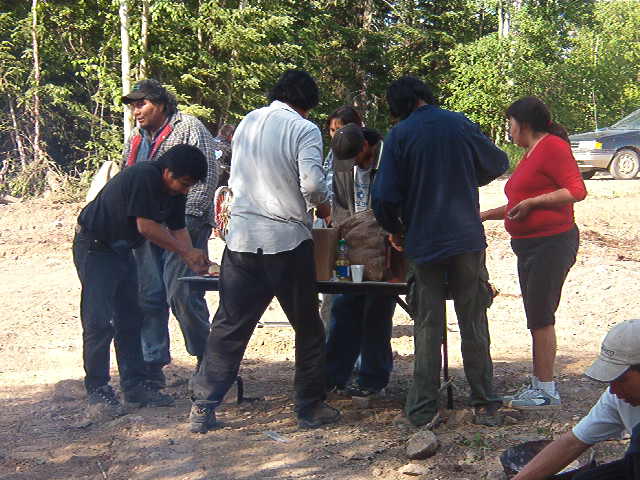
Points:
617	411
360	325
160	126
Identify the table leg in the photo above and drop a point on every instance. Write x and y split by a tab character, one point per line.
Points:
402	304
445	361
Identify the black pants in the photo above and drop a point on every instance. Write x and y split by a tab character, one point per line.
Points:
109	311
248	283
543	266
626	468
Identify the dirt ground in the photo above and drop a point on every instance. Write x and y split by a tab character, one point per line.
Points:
47	433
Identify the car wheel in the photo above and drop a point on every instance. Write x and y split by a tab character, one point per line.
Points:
625	164
588	174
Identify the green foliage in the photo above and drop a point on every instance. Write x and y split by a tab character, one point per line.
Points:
220	57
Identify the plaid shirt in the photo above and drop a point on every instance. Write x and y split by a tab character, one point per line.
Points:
187	129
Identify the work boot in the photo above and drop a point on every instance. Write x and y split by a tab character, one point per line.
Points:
202	418
155	375
146	395
105	395
319	415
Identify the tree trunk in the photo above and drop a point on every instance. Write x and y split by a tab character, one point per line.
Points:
37	152
18	139
361	98
125	65
144	39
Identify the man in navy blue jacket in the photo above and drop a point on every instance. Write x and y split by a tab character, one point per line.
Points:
426	196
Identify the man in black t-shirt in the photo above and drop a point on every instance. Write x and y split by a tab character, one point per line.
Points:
145	201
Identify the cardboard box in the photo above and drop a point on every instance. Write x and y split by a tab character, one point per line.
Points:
325	245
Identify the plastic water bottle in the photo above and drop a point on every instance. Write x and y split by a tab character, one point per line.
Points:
342	262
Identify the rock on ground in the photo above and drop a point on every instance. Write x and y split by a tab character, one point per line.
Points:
422	444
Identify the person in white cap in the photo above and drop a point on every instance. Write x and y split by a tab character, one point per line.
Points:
617	411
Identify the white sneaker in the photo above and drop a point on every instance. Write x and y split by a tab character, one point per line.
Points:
535	399
522	391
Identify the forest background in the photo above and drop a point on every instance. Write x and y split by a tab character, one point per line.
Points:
65	63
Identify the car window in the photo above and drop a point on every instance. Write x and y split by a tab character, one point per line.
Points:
630	121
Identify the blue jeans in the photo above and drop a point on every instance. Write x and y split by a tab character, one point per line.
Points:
108	311
159	290
360	327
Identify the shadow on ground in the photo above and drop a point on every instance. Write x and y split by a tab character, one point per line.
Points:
47	434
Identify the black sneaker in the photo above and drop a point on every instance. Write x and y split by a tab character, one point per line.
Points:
338	390
147	395
155	375
202	418
357	390
107	397
321	414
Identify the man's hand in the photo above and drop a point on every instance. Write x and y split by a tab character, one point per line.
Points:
324	210
521	210
197	260
397	241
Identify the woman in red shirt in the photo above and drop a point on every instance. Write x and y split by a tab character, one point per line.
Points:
539	217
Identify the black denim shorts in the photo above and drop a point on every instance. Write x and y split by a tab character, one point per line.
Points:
543	265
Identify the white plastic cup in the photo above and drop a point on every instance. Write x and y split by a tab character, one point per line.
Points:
357	272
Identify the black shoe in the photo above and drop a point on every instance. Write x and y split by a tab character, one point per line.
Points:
321	414
202	418
357	390
105	395
155	375
147	395
338	390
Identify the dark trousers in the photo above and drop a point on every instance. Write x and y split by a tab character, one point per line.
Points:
360	327
248	283
159	289
466	277
625	469
543	266
108	310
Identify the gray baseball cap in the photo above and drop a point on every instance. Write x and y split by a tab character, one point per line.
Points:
347	142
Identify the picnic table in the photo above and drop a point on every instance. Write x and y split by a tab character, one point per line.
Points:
336	287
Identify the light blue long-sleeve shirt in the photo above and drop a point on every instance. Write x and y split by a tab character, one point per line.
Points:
276	179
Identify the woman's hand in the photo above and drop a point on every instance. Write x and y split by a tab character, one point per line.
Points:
521	210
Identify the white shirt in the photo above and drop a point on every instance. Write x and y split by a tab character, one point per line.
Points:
276	178
609	418
361	187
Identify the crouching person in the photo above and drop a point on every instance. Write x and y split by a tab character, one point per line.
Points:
145	201
617	411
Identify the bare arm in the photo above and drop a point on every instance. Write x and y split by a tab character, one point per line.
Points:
494	213
177	241
561	196
554	457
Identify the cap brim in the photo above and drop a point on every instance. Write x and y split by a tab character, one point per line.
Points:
605	371
132	97
345	165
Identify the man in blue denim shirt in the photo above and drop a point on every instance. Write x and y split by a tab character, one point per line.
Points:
426	196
